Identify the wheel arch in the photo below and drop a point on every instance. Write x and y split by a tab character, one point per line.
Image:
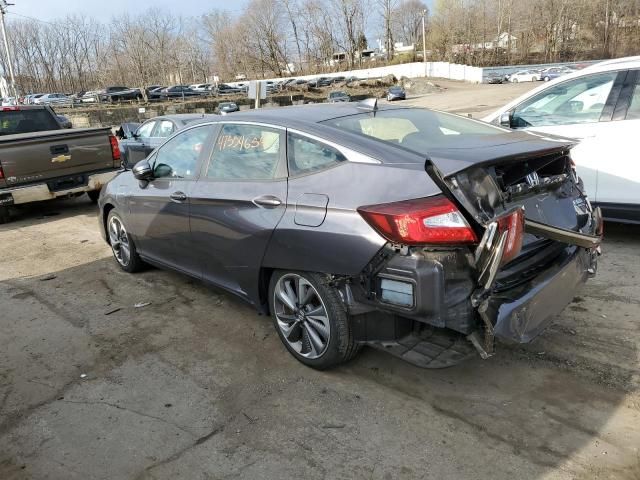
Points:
105	215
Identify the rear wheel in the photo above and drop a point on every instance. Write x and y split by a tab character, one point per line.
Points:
546	79
4	215
310	319
93	195
122	245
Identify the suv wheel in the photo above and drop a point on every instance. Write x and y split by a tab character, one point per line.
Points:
122	246
310	319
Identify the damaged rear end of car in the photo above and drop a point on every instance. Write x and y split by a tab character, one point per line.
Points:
501	251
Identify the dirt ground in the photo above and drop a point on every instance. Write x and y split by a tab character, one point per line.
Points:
196	385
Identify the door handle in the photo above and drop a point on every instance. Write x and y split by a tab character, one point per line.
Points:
178	196
268	201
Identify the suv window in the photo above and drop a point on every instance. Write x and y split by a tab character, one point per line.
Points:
307	155
633	113
245	152
580	100
145	130
178	158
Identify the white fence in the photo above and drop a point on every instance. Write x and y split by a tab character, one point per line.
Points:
448	70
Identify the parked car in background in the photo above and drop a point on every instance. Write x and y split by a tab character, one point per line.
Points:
200	87
30	99
494	78
600	106
91	96
396	93
329	218
554	72
8	101
319	82
338	96
227	107
525	76
224	89
155	92
117	94
53	99
43	159
137	141
178	91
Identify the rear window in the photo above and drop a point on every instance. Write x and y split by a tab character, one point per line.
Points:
414	129
25	121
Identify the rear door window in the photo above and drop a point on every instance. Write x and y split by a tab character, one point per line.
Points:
306	155
246	152
146	129
165	129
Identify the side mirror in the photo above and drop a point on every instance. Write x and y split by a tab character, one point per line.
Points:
505	119
142	170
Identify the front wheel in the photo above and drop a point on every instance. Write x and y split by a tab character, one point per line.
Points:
122	245
546	79
310	319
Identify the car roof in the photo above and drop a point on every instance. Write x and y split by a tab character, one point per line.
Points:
185	118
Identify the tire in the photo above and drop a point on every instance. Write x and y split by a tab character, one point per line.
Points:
515	80
5	217
317	343
127	258
546	79
93	195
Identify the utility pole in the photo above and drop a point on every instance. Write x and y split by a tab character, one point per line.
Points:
424	38
3	9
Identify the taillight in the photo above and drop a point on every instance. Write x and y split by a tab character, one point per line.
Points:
1	173
9	109
115	149
513	224
431	220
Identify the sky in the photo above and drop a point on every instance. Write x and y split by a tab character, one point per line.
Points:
51	9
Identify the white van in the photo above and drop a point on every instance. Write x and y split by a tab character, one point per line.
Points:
600	106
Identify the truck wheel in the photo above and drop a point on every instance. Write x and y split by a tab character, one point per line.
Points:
93	195
310	319
4	215
122	245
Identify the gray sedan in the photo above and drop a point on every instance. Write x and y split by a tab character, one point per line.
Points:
421	233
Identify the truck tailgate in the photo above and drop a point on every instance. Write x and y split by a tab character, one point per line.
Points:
40	156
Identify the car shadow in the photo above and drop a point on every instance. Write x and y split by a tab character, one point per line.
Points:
48	210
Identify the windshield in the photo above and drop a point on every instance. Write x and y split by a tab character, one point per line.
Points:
413	128
336	94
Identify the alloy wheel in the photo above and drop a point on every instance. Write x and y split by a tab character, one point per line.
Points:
119	241
301	316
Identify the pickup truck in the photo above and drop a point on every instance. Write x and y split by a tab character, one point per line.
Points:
42	158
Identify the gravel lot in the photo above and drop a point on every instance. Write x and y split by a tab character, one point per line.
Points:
196	385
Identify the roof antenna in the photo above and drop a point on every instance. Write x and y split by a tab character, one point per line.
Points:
369	104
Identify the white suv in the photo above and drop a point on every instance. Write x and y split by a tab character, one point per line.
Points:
600	106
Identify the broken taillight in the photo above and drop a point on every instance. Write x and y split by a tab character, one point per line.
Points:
431	220
115	150
513	224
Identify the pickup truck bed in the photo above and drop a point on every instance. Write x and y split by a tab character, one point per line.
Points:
41	165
